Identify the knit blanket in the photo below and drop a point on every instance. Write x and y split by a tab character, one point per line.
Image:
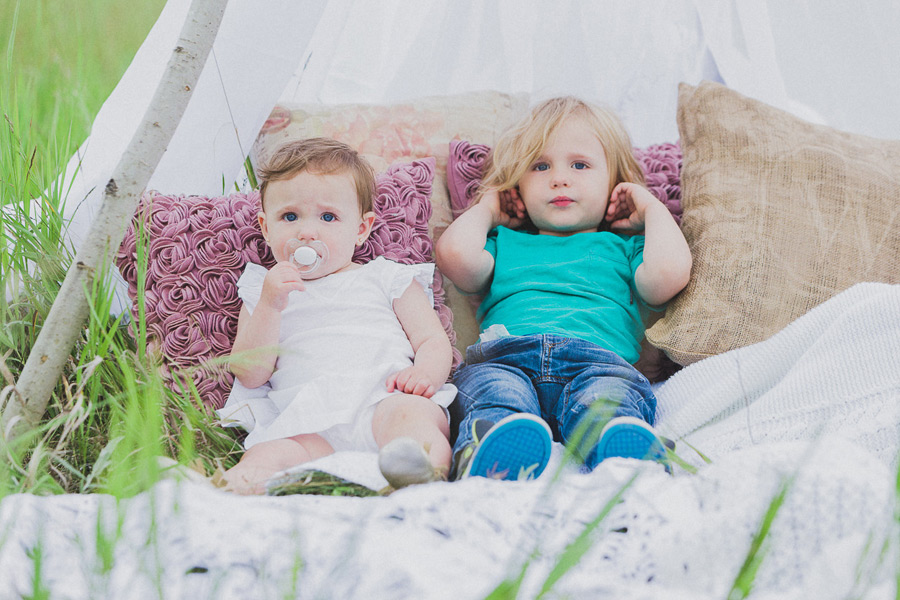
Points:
788	490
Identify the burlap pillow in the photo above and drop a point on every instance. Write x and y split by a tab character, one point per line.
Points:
780	215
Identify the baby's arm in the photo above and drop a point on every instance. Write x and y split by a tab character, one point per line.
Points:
257	333
433	356
460	253
667	259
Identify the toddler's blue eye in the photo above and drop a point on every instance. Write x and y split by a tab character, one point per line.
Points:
328	217
290	217
580	165
541	167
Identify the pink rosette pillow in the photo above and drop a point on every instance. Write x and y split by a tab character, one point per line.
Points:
662	170
465	167
195	250
662	174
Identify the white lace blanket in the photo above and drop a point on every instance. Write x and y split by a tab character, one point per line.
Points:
819	402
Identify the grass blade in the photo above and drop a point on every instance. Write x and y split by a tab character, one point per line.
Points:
743	583
574	552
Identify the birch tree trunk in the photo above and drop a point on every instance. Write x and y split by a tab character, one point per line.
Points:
70	310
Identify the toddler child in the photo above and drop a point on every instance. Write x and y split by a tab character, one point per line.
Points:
329	354
564	293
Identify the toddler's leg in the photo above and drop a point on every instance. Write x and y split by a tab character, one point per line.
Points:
265	459
501	432
405	415
490	392
599	394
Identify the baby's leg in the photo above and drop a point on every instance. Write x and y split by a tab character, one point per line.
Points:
265	459
405	415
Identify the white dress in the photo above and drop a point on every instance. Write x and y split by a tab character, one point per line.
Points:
340	340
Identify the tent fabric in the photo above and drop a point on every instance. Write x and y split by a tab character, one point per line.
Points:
628	55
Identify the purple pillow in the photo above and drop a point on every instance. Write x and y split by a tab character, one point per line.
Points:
465	167
198	246
662	171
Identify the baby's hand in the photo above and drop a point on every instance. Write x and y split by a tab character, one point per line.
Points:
411	380
627	206
281	280
506	207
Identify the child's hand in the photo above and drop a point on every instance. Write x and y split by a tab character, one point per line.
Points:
411	380
511	204
627	205
281	280
506	207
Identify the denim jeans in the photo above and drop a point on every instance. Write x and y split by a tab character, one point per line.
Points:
574	385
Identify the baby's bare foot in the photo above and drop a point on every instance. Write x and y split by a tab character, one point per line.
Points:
245	481
404	462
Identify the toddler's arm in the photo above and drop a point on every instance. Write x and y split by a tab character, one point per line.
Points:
257	333
430	343
667	259
460	253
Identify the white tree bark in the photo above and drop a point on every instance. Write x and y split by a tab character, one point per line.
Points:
67	316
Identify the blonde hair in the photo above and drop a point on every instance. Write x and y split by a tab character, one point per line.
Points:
323	156
524	142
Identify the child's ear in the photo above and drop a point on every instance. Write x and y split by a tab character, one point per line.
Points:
365	227
262	224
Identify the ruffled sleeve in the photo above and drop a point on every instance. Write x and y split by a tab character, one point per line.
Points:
396	277
250	285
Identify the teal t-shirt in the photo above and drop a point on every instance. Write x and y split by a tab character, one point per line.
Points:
577	286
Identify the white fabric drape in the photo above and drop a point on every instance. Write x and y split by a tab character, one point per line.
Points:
254	54
826	62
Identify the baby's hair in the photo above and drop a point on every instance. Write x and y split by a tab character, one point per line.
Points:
523	143
323	156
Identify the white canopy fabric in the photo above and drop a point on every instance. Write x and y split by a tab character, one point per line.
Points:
825	61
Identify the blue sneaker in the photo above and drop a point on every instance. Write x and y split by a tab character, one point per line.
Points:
516	448
630	437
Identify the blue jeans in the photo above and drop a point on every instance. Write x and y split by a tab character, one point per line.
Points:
574	385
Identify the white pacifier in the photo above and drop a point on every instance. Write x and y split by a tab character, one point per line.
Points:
307	256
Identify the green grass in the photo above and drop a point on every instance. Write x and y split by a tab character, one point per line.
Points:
111	415
65	57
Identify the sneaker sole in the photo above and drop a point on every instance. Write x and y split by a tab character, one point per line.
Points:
517	449
627	440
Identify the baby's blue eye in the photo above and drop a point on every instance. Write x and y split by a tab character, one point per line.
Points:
541	167
290	217
328	217
580	165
